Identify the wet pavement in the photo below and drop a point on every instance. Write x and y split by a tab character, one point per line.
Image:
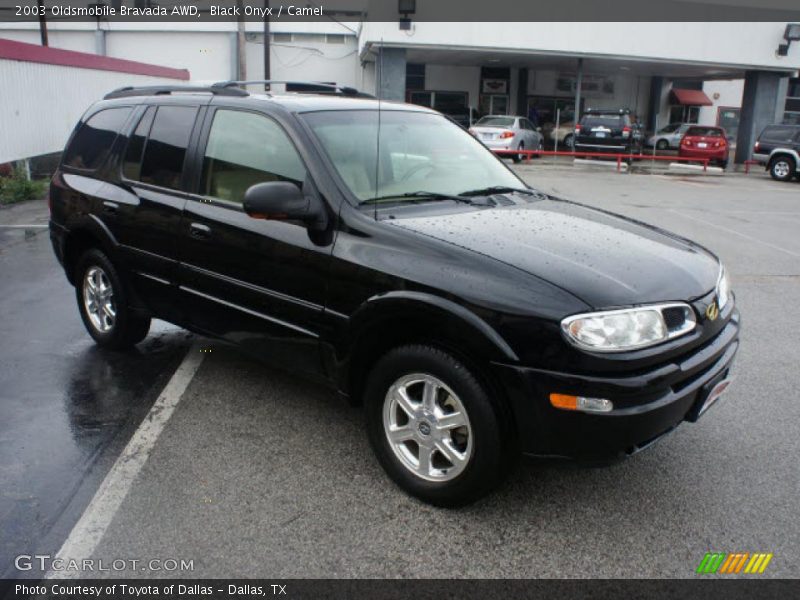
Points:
261	473
66	407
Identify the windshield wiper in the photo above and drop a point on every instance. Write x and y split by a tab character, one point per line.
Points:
419	196
497	189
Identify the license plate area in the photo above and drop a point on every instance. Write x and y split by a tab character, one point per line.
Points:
702	145
709	395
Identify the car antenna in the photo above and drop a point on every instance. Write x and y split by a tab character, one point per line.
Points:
378	134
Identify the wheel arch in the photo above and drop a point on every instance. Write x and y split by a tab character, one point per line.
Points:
784	152
88	232
390	320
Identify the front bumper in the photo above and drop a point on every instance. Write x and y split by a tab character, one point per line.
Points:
647	404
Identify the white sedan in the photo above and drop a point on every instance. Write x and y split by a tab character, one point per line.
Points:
501	132
668	137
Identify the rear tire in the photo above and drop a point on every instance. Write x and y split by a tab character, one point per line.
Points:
782	168
103	302
517	158
569	141
448	445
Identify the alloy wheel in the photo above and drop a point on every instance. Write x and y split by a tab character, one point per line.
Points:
781	169
427	427
98	299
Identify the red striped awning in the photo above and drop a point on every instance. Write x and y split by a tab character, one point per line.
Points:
689	97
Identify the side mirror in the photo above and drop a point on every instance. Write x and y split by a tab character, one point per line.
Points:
539	129
284	201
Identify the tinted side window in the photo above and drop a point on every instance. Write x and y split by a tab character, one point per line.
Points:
165	150
94	139
244	149
778	134
132	164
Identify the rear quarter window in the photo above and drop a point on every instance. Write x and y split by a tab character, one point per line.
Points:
92	143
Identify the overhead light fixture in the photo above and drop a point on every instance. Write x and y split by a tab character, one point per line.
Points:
406	8
790	34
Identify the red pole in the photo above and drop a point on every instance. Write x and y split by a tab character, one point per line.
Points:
619	162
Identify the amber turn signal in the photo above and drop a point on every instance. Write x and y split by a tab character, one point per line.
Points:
567	402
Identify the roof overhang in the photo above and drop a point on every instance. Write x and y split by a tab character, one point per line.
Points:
560	61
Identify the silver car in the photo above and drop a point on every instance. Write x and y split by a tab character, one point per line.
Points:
501	132
669	137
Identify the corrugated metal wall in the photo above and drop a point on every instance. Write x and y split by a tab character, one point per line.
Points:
40	104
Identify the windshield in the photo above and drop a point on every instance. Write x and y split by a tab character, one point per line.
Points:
670	128
418	152
495	122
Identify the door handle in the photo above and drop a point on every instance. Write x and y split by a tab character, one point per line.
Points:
110	207
200	231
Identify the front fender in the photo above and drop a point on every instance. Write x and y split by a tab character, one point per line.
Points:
420	305
394	318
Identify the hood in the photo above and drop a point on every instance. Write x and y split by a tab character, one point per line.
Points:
603	259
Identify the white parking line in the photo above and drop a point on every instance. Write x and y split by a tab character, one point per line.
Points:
32	226
734	232
89	530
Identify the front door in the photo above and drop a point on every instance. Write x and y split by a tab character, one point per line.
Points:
257	283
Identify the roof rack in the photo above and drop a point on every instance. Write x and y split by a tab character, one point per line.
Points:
162	90
314	86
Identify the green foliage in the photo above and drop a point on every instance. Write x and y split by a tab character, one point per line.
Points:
19	188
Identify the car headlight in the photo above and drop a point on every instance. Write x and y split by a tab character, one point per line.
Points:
629	328
723	288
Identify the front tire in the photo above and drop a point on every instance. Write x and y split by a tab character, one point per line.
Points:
662	145
569	141
434	428
104	304
781	168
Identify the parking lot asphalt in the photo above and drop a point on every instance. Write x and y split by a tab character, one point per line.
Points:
258	473
66	407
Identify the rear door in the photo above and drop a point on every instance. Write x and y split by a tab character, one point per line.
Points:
257	283
145	208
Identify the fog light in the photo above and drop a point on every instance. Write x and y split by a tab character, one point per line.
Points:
581	403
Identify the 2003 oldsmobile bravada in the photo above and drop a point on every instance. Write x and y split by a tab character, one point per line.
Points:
381	248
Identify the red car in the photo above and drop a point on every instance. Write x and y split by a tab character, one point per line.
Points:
700	141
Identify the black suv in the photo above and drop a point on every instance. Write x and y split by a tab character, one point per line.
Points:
613	131
778	148
380	248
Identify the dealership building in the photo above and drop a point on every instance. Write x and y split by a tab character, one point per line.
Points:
740	75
